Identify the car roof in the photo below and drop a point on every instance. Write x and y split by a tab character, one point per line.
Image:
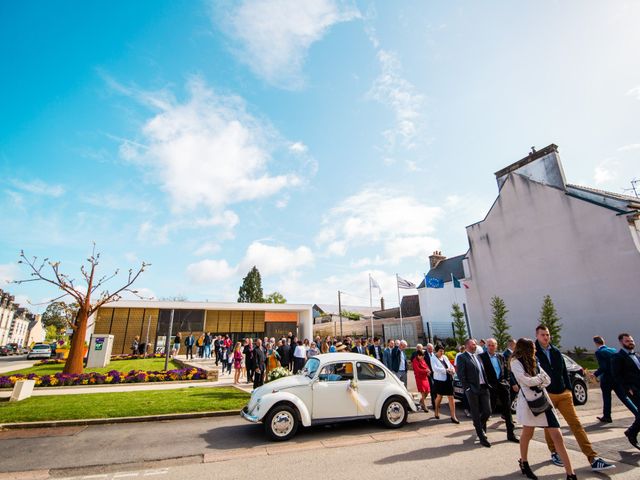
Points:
346	357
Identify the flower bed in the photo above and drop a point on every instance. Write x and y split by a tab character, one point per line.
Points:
114	358
110	378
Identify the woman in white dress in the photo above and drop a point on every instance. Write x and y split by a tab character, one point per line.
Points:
532	381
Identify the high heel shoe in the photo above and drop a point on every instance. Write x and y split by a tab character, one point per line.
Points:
572	477
455	420
526	470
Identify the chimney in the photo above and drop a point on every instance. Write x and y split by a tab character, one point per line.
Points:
381	303
436	258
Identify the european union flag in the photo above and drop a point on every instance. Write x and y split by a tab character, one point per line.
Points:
431	282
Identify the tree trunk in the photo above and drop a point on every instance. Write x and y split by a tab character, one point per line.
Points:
75	361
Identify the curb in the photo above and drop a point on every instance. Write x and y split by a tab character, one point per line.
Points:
106	421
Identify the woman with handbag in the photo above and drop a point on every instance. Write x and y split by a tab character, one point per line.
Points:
534	407
443	382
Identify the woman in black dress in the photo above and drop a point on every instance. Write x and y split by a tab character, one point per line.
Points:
443	382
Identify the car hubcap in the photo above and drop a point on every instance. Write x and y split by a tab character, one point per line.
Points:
282	424
395	412
580	393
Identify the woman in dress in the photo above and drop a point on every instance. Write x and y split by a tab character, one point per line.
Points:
532	381
443	382
237	363
272	357
421	372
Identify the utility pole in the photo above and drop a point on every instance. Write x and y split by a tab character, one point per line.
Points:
340	311
167	341
634	187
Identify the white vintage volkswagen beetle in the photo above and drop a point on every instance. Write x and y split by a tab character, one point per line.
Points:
332	387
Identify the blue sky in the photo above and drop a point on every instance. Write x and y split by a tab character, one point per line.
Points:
319	140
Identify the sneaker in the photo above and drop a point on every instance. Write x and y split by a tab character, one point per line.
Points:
556	460
599	465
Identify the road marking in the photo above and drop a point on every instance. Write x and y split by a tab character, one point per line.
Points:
87	477
124	474
160	471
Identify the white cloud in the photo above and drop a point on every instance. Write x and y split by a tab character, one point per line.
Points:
605	172
399	223
298	147
275	259
159	234
208	247
8	273
635	92
207	271
275	35
145	293
269	259
630	147
38	187
397	93
208	152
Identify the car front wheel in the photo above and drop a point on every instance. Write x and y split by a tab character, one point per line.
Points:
580	394
281	423
394	413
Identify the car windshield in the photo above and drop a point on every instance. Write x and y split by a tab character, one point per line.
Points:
311	367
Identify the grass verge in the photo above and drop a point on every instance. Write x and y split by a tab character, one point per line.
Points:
147	364
122	404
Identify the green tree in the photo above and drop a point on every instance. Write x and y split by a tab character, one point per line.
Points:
251	289
351	315
275	297
51	333
550	319
459	324
499	326
60	315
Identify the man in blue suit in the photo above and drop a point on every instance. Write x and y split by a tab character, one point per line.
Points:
603	374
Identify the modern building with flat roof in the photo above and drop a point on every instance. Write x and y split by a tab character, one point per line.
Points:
150	319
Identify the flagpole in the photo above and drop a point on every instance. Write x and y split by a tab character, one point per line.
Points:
371	306
400	308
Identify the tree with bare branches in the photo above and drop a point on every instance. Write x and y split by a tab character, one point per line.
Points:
83	298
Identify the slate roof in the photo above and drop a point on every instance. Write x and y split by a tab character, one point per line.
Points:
445	268
410	308
605	193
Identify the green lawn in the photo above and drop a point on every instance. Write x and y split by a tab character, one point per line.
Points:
149	364
122	404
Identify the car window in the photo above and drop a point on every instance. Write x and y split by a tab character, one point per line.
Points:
311	367
336	372
369	371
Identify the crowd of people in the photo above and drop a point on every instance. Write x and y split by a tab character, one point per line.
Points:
534	371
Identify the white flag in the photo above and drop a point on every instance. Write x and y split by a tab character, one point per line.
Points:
374	284
402	283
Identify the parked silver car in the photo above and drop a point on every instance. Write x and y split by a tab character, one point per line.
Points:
40	350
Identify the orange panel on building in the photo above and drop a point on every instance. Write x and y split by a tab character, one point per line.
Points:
281	317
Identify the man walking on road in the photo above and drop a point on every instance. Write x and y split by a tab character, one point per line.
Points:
604	355
498	380
625	370
476	388
399	361
551	361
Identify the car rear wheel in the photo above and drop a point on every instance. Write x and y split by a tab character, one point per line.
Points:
394	413
281	423
580	393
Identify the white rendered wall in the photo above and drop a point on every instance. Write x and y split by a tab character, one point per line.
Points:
537	240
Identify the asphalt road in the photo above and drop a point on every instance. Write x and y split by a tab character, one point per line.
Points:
231	448
14	362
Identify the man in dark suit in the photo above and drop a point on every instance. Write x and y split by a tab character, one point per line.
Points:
625	372
375	350
399	361
498	380
283	351
476	388
259	364
603	374
514	388
358	348
249	358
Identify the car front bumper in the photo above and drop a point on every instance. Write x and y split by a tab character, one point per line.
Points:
244	413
